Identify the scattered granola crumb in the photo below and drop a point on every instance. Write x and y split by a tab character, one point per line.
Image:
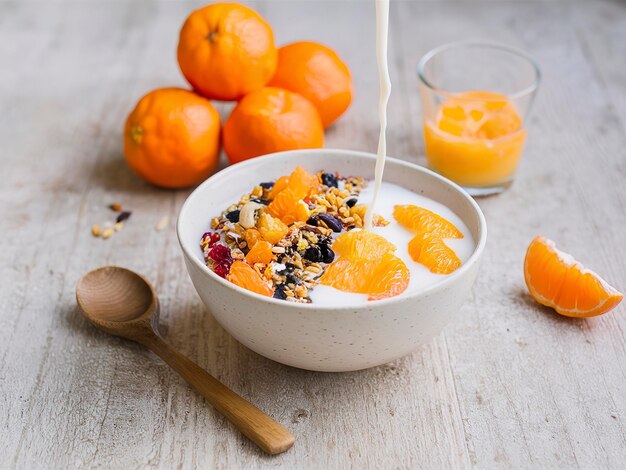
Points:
116	206
118	226
107	233
95	230
162	224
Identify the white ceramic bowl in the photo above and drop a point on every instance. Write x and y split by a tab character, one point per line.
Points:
327	338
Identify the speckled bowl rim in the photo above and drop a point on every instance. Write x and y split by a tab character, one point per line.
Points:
474	258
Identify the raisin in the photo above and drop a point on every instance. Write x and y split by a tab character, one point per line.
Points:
328	255
313	254
312	221
351	202
331	222
122	216
330	180
267	185
233	216
279	292
291	278
260	200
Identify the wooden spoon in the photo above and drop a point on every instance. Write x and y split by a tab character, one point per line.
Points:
123	303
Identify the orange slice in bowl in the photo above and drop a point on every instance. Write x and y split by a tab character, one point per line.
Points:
366	265
418	219
245	276
430	251
287	203
557	280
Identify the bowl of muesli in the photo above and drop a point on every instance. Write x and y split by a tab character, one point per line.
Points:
280	251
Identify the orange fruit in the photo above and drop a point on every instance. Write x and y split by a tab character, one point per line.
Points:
261	252
419	219
226	50
288	204
271	120
271	228
317	73
366	265
557	280
429	250
245	276
171	138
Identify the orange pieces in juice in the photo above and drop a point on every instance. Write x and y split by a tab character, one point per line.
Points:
288	196
428	247
557	280
475	139
366	265
418	219
245	276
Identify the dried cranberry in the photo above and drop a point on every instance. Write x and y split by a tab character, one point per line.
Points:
211	237
330	180
222	268
219	253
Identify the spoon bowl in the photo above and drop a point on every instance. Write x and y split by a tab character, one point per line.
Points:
124	303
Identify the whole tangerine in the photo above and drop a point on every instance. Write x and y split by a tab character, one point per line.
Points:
317	73
172	138
271	120
226	50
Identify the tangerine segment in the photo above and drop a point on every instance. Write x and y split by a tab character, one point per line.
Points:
243	275
279	185
366	265
362	245
286	204
429	250
261	252
272	229
387	276
557	280
422	220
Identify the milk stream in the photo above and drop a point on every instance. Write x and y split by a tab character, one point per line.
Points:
382	27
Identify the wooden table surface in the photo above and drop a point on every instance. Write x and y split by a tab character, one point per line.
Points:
510	384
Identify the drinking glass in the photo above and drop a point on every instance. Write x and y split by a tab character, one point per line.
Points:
476	98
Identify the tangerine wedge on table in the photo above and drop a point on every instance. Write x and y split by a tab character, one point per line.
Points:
226	50
418	219
243	275
366	265
555	279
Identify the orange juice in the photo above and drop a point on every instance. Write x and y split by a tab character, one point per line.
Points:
476	139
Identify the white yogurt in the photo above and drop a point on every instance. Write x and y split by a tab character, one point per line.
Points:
391	195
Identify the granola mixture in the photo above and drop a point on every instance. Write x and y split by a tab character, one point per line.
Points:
297	259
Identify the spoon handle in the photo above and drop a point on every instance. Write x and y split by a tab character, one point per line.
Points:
268	434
